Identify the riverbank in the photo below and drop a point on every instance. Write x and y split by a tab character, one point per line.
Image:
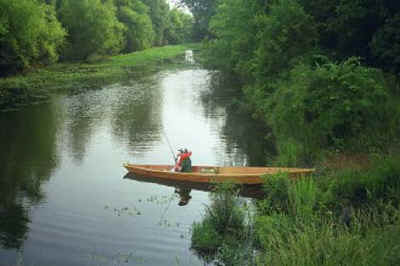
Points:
348	217
36	85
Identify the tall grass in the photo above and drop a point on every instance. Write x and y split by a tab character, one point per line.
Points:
347	217
350	217
225	234
322	242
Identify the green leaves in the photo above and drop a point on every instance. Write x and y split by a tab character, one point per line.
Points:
138	28
96	31
29	32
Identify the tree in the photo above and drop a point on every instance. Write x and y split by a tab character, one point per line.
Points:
159	14
179	27
138	27
234	28
202	11
92	28
29	34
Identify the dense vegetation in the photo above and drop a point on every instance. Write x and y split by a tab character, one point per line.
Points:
324	76
320	73
39	32
343	217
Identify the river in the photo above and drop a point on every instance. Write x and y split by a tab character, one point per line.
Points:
63	196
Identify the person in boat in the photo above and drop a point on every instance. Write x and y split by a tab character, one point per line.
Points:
184	163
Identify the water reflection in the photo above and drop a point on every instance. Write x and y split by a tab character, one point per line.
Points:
184	188
245	138
136	116
28	155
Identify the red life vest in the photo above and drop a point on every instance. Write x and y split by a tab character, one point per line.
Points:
182	156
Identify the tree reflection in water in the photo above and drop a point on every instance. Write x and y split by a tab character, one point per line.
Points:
245	138
27	159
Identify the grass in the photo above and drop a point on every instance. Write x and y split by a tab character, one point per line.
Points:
38	84
335	217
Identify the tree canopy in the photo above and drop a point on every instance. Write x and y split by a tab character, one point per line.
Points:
34	32
29	34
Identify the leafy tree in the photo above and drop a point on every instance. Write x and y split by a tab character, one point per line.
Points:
179	27
364	28
385	45
29	34
137	24
287	33
334	104
159	14
202	11
92	28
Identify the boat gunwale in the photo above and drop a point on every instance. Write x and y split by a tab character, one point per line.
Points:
282	170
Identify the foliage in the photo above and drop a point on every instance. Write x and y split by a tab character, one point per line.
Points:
224	221
235	38
29	34
137	24
334	104
287	33
97	31
385	45
202	11
321	219
159	15
296	60
350	217
380	182
179	28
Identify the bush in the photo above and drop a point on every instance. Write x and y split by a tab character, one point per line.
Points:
380	182
276	189
343	105
29	34
223	223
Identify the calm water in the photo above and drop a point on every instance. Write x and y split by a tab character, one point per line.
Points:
63	198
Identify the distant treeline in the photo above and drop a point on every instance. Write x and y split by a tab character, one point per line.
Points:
39	32
321	73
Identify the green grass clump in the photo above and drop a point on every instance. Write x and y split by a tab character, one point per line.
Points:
347	217
323	242
224	233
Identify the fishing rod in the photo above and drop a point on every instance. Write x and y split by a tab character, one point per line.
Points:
170	146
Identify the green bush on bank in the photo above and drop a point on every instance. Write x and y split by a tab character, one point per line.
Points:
223	218
337	103
224	235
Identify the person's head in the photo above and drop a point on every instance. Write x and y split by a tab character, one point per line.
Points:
181	151
186	150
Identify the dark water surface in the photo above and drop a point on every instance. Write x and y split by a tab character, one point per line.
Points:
63	196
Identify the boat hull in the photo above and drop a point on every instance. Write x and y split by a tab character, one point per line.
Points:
210	174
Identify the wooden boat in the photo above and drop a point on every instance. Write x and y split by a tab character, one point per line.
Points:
213	174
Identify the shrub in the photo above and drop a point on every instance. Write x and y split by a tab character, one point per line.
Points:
343	105
29	34
224	219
